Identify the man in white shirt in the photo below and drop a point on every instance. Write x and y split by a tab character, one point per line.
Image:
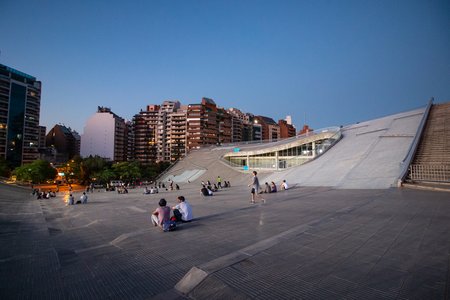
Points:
183	210
83	198
284	185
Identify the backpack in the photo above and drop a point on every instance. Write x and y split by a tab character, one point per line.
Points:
170	226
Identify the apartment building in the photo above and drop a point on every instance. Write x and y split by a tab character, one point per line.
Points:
270	129
224	126
145	126
178	133
238	119
20	101
202	127
64	141
105	135
164	130
286	128
160	133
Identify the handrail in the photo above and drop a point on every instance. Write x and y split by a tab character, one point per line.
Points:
413	148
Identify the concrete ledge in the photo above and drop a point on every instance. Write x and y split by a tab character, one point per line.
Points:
425	187
190	280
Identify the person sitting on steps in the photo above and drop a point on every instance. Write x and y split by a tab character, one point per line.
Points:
183	210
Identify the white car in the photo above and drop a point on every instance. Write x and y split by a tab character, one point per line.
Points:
116	183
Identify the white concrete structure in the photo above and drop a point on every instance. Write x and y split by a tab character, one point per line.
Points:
103	136
369	156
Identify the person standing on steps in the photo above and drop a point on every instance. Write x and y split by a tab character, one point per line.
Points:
219	182
255	188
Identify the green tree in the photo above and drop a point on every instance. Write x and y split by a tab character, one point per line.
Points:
5	169
36	172
127	171
103	176
90	166
150	172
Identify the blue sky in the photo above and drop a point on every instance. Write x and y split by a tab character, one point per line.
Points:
335	62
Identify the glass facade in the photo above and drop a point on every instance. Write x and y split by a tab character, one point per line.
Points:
16	124
291	155
20	97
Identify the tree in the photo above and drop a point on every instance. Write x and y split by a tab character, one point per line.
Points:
90	166
150	172
103	176
127	171
5	170
36	172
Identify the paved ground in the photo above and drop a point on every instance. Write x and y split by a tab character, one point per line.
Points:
305	243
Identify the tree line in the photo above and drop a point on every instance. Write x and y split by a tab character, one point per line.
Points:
84	170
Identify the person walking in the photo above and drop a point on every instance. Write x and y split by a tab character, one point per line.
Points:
255	188
71	199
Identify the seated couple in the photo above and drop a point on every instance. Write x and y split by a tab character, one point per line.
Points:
182	212
151	190
206	191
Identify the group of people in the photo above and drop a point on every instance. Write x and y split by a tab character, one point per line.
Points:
272	187
151	190
155	189
208	189
83	199
182	212
269	188
43	195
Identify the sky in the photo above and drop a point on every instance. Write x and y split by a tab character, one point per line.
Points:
328	63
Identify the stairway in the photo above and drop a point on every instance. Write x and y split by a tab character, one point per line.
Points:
432	160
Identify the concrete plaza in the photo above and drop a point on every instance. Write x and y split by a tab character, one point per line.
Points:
304	243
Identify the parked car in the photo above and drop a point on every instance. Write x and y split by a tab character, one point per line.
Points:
116	183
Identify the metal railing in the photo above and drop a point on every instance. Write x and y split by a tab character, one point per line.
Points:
414	145
429	172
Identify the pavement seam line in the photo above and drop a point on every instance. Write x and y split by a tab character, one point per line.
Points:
189	282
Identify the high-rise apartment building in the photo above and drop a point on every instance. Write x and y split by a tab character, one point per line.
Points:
164	130
160	133
145	132
202	127
129	127
105	135
178	133
244	126
224	126
270	129
42	130
20	101
237	125
286	129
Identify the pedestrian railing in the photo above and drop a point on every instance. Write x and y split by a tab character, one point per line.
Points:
430	172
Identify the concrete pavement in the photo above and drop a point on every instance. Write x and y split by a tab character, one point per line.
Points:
304	243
